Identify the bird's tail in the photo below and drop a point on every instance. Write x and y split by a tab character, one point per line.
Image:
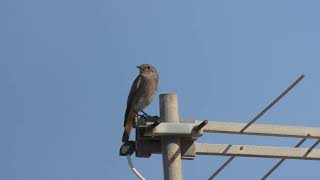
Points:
128	126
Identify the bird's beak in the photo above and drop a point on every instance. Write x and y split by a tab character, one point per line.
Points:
139	67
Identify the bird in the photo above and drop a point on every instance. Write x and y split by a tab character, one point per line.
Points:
142	92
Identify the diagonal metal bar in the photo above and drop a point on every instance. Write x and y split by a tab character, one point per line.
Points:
273	103
312	147
221	167
281	161
257	117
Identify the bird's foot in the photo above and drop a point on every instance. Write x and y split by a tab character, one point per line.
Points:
144	115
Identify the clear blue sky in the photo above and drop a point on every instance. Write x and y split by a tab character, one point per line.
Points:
66	67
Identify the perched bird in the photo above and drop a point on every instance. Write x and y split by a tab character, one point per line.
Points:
143	90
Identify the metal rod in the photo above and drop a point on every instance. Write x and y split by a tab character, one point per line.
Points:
281	161
201	125
153	125
262	129
259	115
221	167
273	103
256	151
170	145
312	147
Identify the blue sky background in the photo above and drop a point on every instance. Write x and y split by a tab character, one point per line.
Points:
66	67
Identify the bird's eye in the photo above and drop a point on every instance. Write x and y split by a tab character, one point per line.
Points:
149	67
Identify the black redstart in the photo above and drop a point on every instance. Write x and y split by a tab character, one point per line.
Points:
142	92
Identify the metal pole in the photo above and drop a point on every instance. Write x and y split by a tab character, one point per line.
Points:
170	145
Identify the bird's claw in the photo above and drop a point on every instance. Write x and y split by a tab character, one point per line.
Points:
144	115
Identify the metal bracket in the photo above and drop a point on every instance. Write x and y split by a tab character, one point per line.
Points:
127	148
149	132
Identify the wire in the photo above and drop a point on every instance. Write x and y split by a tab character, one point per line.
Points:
134	170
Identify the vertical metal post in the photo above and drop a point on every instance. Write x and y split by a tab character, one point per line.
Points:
170	145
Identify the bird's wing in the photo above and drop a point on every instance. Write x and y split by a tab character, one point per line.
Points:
131	96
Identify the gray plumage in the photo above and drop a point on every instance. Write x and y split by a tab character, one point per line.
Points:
142	92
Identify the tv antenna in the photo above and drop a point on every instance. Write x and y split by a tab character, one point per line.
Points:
175	138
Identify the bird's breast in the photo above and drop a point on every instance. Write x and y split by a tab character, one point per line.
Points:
148	92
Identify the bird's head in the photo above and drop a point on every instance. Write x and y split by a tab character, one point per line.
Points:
147	69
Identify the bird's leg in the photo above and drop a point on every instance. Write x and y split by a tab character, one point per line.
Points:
145	114
137	117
